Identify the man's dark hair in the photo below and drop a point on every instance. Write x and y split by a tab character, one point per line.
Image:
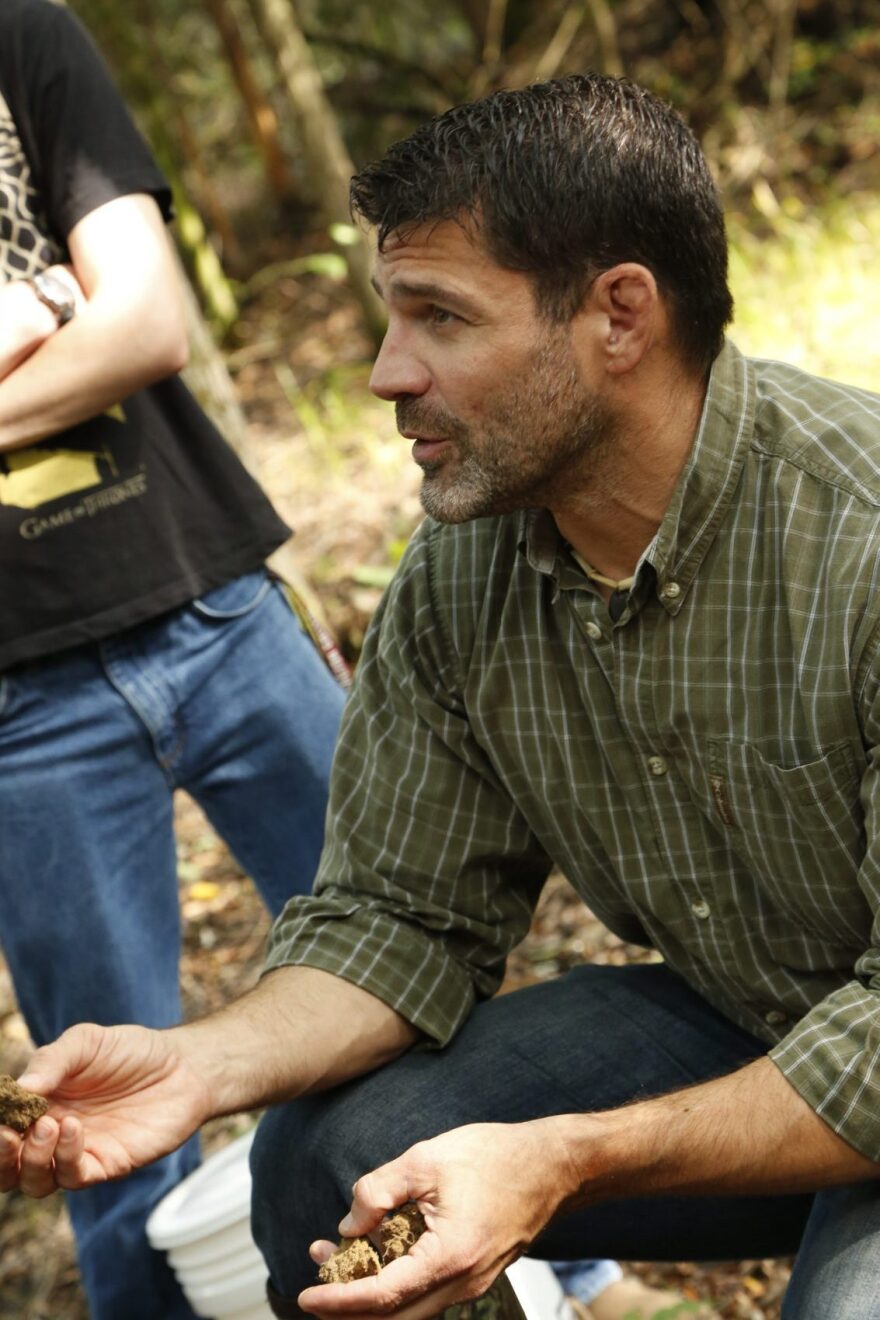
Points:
566	179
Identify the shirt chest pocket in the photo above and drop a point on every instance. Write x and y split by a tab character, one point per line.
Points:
796	827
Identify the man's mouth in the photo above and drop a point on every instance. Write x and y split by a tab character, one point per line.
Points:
426	449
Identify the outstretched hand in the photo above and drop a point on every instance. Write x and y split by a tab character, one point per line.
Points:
119	1097
485	1191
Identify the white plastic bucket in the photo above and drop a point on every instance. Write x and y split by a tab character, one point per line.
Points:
204	1226
538	1290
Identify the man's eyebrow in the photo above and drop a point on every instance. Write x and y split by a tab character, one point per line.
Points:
439	293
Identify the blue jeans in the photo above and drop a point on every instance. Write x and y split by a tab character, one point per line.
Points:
596	1038
226	698
586	1279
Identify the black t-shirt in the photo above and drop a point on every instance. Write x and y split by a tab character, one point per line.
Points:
145	507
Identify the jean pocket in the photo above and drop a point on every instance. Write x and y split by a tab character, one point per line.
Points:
235	598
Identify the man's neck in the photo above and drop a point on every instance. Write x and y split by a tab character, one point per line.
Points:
614	516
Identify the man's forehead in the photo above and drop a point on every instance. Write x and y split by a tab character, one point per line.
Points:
436	252
434	240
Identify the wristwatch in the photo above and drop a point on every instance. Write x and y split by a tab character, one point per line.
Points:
56	296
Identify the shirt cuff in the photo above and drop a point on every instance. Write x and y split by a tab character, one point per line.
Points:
832	1059
405	967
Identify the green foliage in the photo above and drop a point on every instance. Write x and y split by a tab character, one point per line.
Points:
807	286
329	409
667	1313
328	265
344	235
370	575
212	284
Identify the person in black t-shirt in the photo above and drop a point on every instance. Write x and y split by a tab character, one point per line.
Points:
143	647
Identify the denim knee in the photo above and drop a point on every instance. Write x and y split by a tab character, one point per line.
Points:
279	1194
308	1154
299	1191
837	1271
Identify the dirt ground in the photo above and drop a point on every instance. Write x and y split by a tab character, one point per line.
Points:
337	468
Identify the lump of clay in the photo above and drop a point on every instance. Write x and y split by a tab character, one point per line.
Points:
400	1231
19	1108
357	1258
354	1258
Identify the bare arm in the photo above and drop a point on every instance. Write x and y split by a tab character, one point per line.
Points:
487	1190
749	1132
299	1030
130	332
122	1096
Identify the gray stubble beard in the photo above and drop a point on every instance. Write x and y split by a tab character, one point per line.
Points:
550	437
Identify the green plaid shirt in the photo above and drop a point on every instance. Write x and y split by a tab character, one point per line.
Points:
704	770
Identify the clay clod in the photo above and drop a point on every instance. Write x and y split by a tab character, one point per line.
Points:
357	1258
354	1258
400	1231
19	1108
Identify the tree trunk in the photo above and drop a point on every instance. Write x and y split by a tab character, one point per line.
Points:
261	116
206	194
207	377
324	151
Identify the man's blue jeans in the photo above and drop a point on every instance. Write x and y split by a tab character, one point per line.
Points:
226	698
595	1039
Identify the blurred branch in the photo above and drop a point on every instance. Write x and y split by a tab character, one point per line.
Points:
746	43
783	13
388	59
206	194
474	13
606	32
487	72
557	48
260	114
492	36
326	156
693	16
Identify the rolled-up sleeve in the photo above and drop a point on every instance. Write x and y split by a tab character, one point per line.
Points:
832	1055
429	873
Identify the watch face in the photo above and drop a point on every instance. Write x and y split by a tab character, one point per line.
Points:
55	295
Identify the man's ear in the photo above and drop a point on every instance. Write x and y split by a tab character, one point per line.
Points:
627	303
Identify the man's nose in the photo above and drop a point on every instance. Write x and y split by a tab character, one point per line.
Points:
397	371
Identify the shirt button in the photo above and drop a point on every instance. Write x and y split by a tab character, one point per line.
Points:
594	632
671	591
700	908
774	1018
657	766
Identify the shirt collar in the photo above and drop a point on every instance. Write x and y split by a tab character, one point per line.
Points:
540	542
699	501
710	476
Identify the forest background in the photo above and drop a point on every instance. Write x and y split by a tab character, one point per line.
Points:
258	110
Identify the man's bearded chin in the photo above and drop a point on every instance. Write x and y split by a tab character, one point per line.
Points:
456	498
455	489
